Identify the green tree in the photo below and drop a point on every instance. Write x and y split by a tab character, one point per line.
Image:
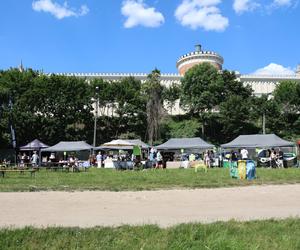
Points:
182	129
287	101
287	93
153	94
235	117
205	90
232	86
170	95
51	108
131	108
201	91
122	109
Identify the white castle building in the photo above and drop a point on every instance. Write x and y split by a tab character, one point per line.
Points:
261	84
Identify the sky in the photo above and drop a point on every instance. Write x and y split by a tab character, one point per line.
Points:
136	36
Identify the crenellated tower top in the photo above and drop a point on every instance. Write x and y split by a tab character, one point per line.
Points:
199	56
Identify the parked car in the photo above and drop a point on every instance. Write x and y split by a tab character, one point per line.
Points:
290	160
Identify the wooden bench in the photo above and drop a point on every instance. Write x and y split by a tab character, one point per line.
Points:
4	171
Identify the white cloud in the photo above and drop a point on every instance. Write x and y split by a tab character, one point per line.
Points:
201	14
241	6
58	10
281	3
276	4
138	13
274	69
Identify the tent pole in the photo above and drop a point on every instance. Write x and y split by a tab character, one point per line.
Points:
264	123
40	157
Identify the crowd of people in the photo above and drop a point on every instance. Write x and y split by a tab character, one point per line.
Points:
24	159
242	154
276	158
150	159
154	159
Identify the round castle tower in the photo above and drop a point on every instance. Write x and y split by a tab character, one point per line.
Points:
199	56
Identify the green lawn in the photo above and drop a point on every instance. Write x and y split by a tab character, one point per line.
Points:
107	179
271	234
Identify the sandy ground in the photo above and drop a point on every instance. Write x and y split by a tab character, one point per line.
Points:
165	208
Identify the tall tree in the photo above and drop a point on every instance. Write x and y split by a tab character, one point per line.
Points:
51	108
287	100
287	93
124	99
201	91
235	117
153	94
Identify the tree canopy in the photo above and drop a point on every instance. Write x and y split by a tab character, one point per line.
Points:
54	108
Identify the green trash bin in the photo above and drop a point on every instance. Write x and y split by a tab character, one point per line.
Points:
226	164
234	173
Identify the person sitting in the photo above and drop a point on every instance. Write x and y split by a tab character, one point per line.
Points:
52	157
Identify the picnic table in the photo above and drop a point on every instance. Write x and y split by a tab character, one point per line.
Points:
5	169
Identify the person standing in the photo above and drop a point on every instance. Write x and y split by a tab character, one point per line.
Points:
273	158
280	158
159	159
244	154
34	159
207	158
99	160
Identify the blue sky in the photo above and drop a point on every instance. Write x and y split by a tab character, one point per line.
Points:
137	36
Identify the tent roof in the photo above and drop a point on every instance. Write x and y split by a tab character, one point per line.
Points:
34	145
69	146
257	141
116	143
123	144
185	143
138	142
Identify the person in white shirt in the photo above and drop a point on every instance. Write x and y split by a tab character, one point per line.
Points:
244	154
159	159
34	159
99	159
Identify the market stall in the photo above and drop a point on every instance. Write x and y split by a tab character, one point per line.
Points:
254	144
35	145
177	151
120	153
60	150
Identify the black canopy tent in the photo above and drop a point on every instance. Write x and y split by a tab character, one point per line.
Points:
185	143
258	141
69	146
35	145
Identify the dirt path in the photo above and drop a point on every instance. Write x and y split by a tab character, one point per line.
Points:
165	208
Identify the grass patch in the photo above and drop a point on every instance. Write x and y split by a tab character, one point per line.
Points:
270	234
107	179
